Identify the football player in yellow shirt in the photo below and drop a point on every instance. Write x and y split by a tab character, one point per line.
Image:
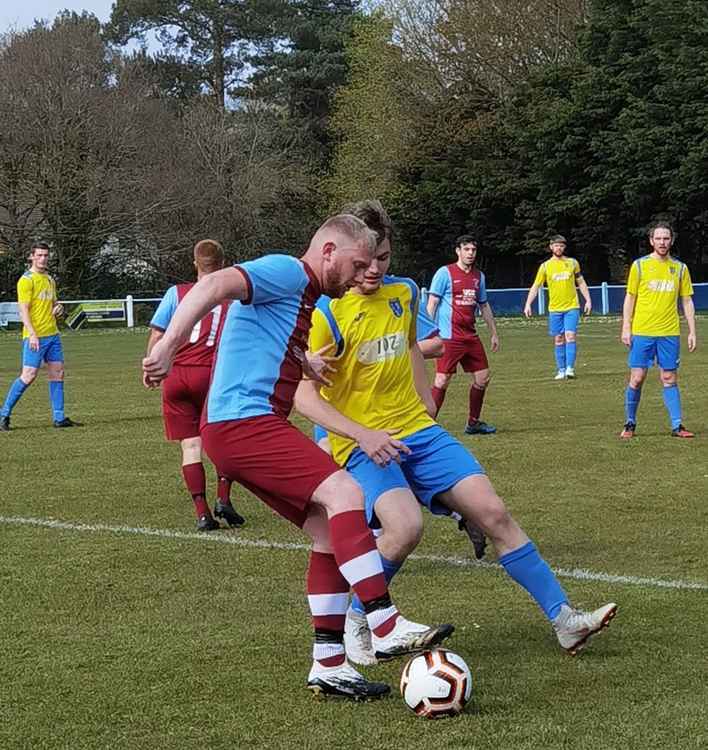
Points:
39	309
562	275
651	327
379	382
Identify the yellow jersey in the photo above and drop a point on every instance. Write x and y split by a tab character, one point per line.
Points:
39	291
373	384
657	285
559	275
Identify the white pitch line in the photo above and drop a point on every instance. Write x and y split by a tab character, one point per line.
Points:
462	562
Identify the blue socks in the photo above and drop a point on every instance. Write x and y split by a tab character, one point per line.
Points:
560	356
571	348
13	396
56	398
631	403
672	400
531	572
390	569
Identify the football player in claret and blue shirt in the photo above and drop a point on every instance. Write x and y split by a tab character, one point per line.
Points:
456	292
39	309
260	361
651	327
380	383
563	278
185	389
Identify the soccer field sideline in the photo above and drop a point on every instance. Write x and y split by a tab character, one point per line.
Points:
577	574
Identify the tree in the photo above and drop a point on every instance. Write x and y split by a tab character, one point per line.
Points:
204	40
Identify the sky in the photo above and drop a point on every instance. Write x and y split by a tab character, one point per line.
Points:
20	14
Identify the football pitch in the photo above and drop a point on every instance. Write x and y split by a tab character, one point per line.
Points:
123	628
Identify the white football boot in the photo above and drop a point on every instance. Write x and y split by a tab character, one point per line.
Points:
408	638
570	373
573	626
357	639
343	681
560	375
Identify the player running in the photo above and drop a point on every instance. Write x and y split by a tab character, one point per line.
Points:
39	310
184	391
380	382
456	292
651	327
562	275
258	365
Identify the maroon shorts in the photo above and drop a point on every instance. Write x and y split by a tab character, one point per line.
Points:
271	458
469	353
184	392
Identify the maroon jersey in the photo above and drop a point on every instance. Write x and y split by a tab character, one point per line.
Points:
460	292
198	350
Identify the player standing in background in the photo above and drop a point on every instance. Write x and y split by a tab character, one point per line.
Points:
185	390
39	309
258	365
562	275
380	382
651	327
456	291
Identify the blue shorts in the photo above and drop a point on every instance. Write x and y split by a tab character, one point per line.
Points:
664	350
49	351
436	463
318	433
563	322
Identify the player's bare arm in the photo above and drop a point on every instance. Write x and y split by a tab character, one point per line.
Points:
627	314
229	283
379	445
420	380
27	322
533	293
432	347
432	306
318	364
583	288
154	337
488	317
689	312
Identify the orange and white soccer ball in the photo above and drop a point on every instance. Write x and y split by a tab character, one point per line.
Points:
436	684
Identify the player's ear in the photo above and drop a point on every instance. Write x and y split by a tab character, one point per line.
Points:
327	249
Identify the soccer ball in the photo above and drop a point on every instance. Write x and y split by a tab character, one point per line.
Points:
436	683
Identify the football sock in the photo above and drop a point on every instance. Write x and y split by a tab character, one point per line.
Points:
672	401
631	403
195	479
390	568
476	400
223	490
328	597
532	572
56	398
571	349
14	394
359	562
560	356
438	395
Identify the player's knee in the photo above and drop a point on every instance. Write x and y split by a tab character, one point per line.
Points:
668	377
636	379
28	375
442	380
559	339
55	372
339	493
482	378
402	540
569	337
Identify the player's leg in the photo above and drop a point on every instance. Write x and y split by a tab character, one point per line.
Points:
223	507
475	362
54	357
439	389
571	320
445	368
31	362
474	497
642	353
195	481
328	599
555	329
668	354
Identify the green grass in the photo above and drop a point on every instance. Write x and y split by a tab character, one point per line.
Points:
121	640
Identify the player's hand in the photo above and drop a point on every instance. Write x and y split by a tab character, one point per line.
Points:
58	310
317	364
527	311
34	342
588	308
626	336
692	342
494	341
157	364
381	447
149	382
